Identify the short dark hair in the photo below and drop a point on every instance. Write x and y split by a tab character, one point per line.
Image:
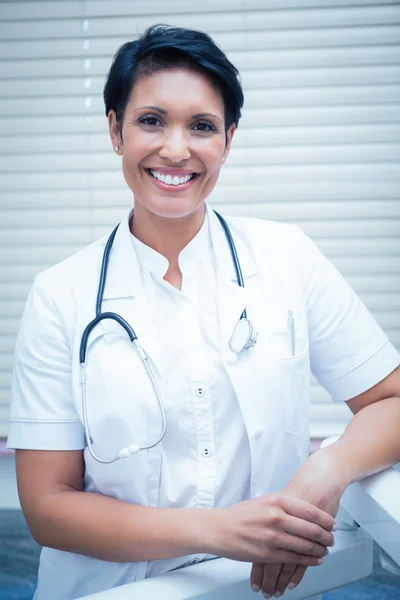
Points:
163	47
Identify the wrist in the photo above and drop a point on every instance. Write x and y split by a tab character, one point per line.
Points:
206	530
339	462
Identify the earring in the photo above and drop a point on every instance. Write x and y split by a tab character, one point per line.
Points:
116	148
223	158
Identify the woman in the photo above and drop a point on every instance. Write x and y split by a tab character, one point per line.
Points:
236	406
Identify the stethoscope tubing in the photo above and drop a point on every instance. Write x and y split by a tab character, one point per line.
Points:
234	254
133	448
100	316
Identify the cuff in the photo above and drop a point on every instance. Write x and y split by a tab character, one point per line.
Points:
46	435
365	375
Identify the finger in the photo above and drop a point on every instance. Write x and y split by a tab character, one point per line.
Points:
270	576
294	558
284	577
296	577
286	541
309	531
256	576
304	510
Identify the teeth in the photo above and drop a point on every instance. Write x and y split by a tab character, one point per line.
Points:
169	180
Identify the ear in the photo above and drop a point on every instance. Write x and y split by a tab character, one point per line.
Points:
113	127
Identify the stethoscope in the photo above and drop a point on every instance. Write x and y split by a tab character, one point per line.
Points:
244	337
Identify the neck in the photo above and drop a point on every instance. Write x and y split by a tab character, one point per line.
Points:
166	236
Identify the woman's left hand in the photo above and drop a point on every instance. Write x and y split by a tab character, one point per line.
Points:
321	481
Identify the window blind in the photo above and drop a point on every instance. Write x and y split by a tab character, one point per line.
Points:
318	144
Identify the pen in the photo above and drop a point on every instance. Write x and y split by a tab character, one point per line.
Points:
290	325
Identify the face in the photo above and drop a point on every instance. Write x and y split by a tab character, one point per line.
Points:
173	130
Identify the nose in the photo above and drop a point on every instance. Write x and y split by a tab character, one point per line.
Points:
175	147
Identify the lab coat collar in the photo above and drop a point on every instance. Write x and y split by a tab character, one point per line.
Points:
124	283
190	256
123	275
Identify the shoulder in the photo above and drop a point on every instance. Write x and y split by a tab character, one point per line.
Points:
60	293
271	237
75	270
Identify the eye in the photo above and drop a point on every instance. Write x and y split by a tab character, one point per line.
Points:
149	120
206	126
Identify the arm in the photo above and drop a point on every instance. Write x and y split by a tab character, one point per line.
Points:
61	515
370	443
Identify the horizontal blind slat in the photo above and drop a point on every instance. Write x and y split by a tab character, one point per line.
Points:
82	46
326	57
267	79
282	10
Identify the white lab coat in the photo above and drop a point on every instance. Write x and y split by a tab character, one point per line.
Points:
283	270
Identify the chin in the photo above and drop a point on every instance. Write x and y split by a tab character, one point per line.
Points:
173	208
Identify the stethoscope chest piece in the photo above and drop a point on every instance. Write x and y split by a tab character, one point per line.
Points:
244	336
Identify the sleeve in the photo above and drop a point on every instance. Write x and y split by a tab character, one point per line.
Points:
349	352
42	412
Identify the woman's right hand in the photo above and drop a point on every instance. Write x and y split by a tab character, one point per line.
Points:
273	528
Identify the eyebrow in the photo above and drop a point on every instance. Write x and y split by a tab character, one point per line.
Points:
164	112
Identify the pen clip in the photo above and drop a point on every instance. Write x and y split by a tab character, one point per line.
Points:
290	326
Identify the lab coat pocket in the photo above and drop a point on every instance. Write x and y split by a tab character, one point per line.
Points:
294	377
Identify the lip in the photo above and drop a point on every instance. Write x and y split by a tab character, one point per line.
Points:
172	188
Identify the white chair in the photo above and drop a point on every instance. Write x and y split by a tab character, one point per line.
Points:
369	510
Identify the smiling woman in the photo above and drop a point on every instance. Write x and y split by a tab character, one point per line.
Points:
214	430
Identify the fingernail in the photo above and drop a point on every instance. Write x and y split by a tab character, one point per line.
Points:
277	594
267	596
255	588
320	561
333	543
291	586
334	528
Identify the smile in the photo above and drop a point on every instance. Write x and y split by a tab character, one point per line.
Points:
170	182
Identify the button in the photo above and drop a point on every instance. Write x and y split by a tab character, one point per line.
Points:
257	433
200	391
194	561
231	358
206	452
